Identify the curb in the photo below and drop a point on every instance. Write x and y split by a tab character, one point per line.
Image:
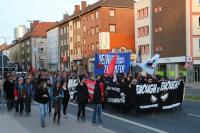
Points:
192	100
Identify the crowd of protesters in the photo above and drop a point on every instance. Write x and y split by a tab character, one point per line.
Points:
50	89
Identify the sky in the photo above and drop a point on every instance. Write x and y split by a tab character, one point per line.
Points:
17	12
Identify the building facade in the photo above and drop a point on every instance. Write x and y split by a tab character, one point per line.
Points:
174	35
53	49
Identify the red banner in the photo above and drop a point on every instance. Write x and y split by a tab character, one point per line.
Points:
90	84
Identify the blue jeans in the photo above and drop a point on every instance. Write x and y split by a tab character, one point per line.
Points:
97	112
43	110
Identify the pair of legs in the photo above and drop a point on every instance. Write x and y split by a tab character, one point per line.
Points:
49	105
10	104
28	106
19	106
43	110
57	112
97	112
65	104
81	110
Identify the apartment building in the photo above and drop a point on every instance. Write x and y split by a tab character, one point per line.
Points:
172	32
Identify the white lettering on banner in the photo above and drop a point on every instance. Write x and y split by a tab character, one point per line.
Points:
171	106
149	106
146	89
72	83
113	88
170	85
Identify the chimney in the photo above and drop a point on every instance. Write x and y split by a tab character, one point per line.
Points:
34	24
83	5
65	16
77	9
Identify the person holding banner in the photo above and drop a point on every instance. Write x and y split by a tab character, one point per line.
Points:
82	98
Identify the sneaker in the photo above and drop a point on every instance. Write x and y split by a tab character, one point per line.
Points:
65	116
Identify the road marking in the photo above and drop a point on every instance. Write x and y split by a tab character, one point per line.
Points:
102	128
127	121
194	115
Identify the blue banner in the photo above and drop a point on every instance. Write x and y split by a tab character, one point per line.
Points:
103	60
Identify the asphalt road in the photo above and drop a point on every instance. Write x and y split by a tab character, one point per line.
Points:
185	121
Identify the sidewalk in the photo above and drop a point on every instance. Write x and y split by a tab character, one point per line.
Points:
192	85
11	124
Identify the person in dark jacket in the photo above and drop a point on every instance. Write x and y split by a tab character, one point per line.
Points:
50	90
19	93
97	101
65	99
42	99
57	101
8	87
30	93
82	98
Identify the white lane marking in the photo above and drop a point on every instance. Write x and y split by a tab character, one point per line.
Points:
194	115
102	128
127	121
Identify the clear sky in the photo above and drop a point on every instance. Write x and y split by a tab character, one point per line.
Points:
17	12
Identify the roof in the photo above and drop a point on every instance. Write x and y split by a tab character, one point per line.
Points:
4	47
40	30
101	3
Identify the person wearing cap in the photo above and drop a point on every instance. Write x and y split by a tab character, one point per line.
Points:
29	94
19	94
82	98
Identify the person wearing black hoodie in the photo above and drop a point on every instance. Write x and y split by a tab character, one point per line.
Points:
66	98
82	98
8	87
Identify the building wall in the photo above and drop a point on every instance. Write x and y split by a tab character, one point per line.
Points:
171	20
53	53
63	43
146	40
124	21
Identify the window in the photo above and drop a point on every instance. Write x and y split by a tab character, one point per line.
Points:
97	15
65	52
88	32
70	39
78	38
97	29
41	49
159	8
61	42
160	29
156	10
156	29
84	28
92	30
112	28
70	27
67	29
74	26
112	12
79	50
199	43
78	24
65	42
92	16
97	46
61	31
146	12
88	18
84	41
199	17
92	47
64	30
138	14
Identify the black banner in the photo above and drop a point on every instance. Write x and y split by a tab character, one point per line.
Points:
162	95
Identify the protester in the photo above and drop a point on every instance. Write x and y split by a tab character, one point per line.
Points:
97	101
9	91
65	99
19	93
57	101
82	98
29	95
50	91
43	96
